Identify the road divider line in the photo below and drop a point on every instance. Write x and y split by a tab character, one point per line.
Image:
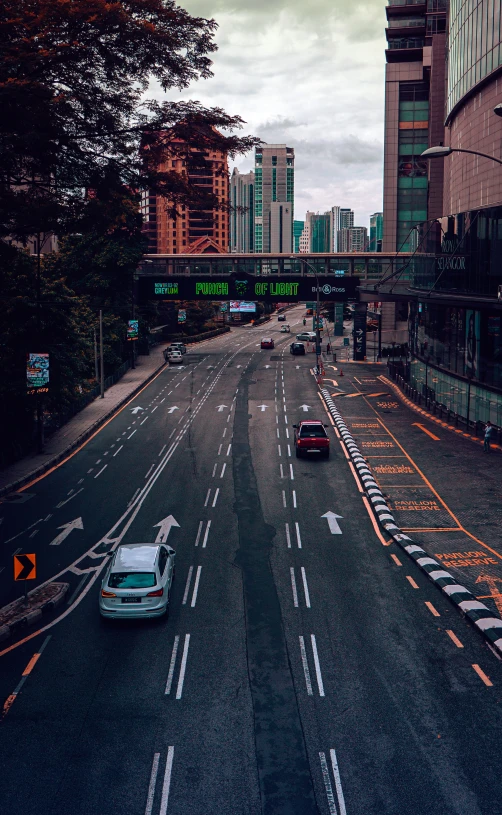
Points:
293	586
97	474
132	434
291	472
411	581
206	535
288	537
223	470
327	785
196	587
294	499
219	449
120	448
229	448
181	678
338	783
317	665
187	587
284	498
207	497
305	666
215	496
201	524
432	609
298	537
396	560
214	470
282	470
167	781
484	678
171	665
152	784
454	638
305	587
289	450
279	449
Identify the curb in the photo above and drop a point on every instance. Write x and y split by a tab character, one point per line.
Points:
477	613
78	441
431	418
34	615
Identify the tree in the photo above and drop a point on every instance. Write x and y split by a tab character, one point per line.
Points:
72	82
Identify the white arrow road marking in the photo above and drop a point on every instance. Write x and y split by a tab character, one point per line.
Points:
165	527
334	527
136	409
172	409
220	407
297	367
67	528
305	408
263	408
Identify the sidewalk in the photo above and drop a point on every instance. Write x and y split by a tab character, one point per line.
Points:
81	426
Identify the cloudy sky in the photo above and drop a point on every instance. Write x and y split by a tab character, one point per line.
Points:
308	73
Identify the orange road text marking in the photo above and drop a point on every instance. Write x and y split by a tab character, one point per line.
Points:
483	676
454	638
411	581
396	560
424	429
432	609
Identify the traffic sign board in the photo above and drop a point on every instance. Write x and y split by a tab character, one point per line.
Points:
25	567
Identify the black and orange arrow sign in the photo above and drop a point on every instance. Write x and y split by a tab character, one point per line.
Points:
25	567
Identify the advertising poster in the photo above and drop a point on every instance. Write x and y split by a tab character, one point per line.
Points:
472	325
242	307
132	330
37	372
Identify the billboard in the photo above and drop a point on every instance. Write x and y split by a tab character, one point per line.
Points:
37	372
242	307
132	330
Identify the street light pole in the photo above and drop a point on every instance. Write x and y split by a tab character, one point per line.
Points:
102	372
317	317
442	152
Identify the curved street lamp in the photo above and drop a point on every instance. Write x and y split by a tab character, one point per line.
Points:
442	152
318	333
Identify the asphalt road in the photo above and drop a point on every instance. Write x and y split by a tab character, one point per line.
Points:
299	671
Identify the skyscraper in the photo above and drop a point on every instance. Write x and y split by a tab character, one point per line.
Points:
352	239
341	218
192	230
274	184
318	231
376	232
297	231
242	222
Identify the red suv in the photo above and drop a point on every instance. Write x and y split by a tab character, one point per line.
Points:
267	342
311	437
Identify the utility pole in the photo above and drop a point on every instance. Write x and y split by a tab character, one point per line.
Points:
101	353
40	409
96	373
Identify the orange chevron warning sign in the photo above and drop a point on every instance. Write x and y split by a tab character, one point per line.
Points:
25	567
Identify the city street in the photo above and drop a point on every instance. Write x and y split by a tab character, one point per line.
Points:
306	665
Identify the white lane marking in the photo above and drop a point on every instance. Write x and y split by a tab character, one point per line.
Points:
277	419
279	448
101	470
181	678
286	419
305	587
165	445
118	451
201	524
338	783
214	470
223	470
172	432
288	536
229	448
196	587
219	449
99	460
215	496
162	400
317	665
35	532
291	471
284	499
287	433
206	535
207	496
228	417
150	470
144	420
278	434
282	471
293	586
305	666
132	434
187	587
327	784
289	450
62	503
225	432
171	665
152	784
155	408
298	538
167	781
24	531
294	499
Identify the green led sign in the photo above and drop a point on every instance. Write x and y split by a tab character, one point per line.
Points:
269	288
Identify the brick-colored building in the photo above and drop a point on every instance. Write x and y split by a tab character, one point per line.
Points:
207	170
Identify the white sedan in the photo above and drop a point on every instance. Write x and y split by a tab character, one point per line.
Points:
174	357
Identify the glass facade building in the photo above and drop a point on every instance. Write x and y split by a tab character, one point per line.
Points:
274	183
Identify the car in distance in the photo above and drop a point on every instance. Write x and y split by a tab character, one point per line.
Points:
138	581
285	329
174	357
179	346
297	348
311	438
281	318
267	342
306	336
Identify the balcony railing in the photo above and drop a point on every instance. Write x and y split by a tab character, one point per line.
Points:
408	2
407	22
408	42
